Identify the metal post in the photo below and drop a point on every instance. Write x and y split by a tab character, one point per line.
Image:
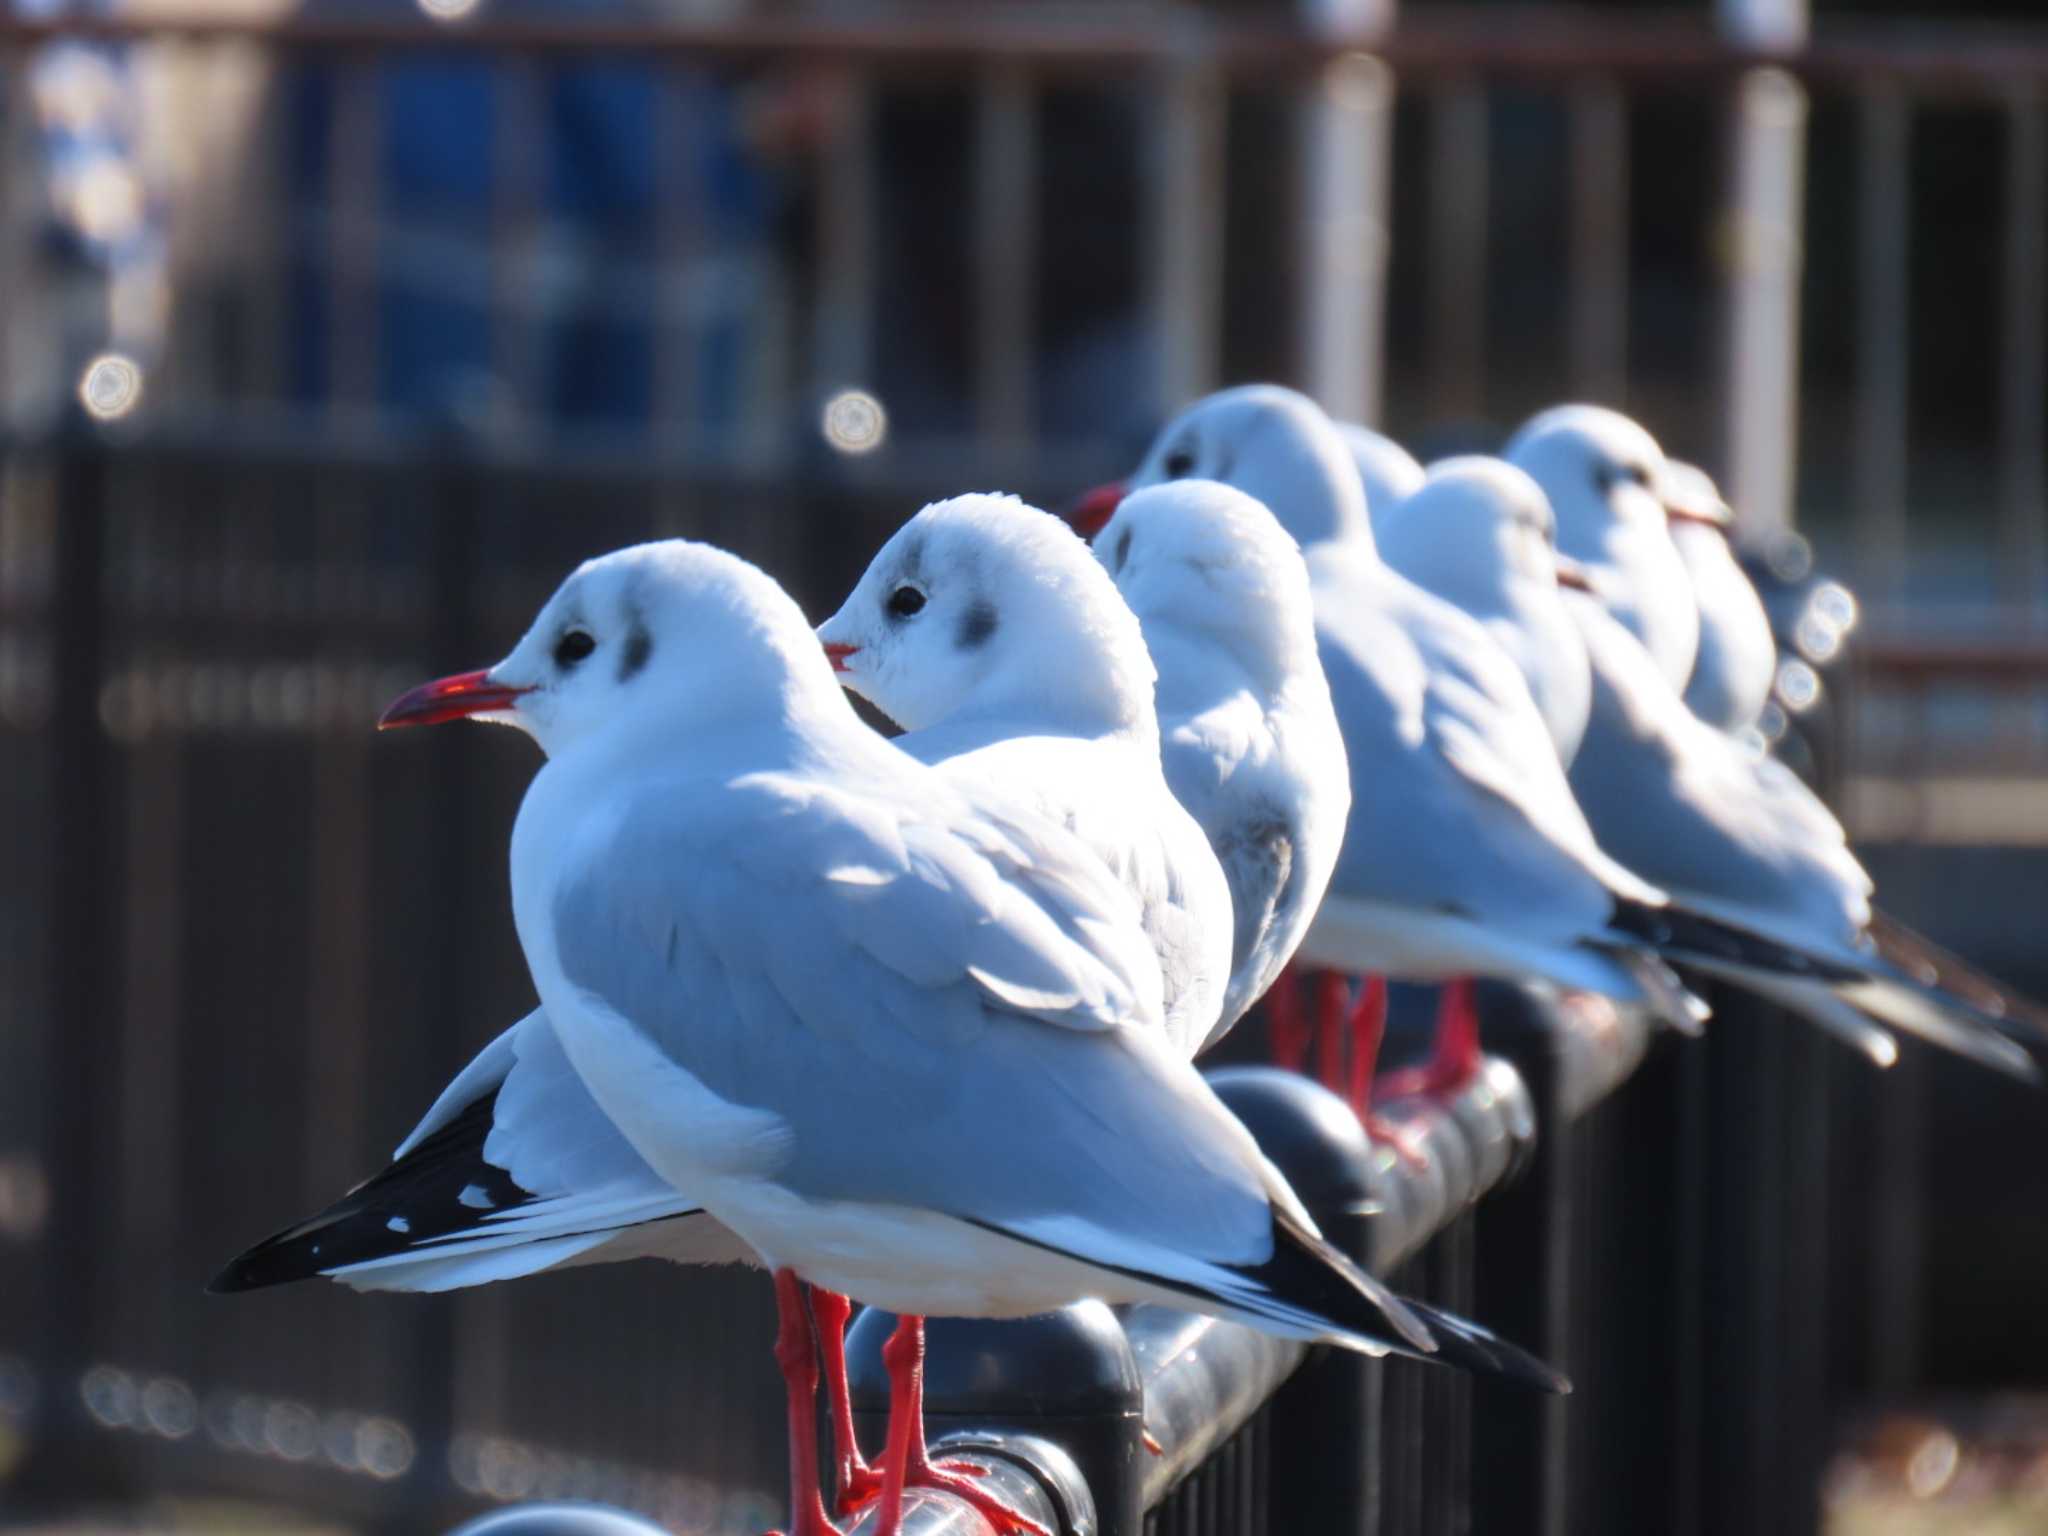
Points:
1598	326
1456	324
2023	375
1520	1440
1883	304
353	316
1005	245
845	336
1185	228
1346	142
77	1152
1762	243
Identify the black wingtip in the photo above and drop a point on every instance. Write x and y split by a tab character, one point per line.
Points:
441	1187
1467	1346
1680	935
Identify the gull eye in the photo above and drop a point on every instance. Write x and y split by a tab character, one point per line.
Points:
1608	476
905	601
573	647
1179	464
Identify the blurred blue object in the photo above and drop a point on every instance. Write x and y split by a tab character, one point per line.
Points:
101	220
559	1520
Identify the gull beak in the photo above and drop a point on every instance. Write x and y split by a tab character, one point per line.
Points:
1689	497
1088	515
1571	574
838	653
451	698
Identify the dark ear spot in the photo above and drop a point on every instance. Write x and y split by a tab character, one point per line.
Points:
1123	549
977	625
638	647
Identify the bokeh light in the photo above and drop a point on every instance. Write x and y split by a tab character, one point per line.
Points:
111	386
854	422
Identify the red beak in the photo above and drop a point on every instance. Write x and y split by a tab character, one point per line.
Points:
839	652
1088	515
1573	575
451	698
1717	516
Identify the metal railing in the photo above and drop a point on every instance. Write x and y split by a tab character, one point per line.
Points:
1408	324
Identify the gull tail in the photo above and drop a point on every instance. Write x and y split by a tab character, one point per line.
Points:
1925	964
1308	1275
1308	1290
1908	984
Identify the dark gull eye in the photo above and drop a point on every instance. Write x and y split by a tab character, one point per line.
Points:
905	601
573	647
1179	464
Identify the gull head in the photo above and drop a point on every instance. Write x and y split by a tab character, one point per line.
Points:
1692	500
1273	444
1476	529
983	604
661	633
1389	473
1601	471
1208	560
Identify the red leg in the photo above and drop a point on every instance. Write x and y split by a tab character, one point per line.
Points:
1333	995
849	1467
905	1461
1368	1029
1455	1060
1286	1029
796	1352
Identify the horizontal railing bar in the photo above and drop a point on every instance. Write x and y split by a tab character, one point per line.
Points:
1554	44
2008	662
261	435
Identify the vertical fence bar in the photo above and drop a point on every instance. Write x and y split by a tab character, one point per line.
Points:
1005	256
1878	474
844	343
1185	229
1762	241
265	257
1455	318
354	146
2023	388
1597	340
518	161
1519	1440
1347	146
76	1153
678	247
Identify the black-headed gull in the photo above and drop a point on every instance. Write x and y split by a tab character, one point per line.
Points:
1248	734
986	630
1461	538
1612	491
1732	832
1479	533
1737	663
1465	853
745	913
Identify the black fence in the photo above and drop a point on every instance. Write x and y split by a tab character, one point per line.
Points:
245	941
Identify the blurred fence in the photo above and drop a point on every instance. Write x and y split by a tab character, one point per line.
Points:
1033	234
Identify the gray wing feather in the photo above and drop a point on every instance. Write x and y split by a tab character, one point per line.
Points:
1690	808
876	1013
1458	801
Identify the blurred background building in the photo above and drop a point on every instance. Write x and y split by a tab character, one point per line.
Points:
335	334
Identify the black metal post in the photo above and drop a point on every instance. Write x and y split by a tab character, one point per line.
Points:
77	1145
